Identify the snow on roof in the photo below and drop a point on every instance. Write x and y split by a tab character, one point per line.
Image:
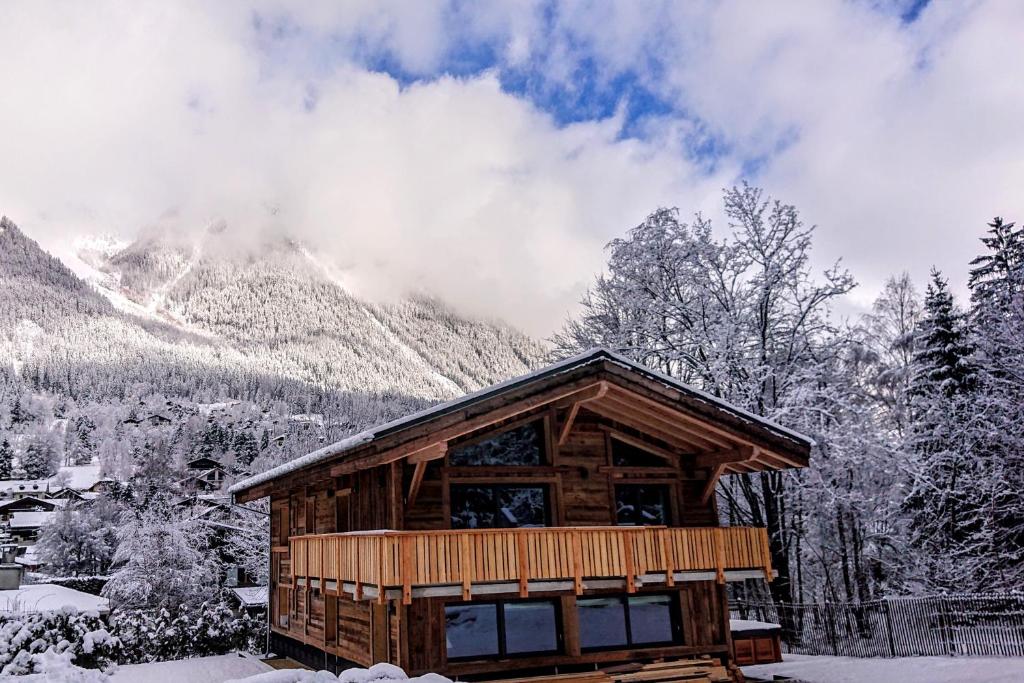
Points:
742	625
196	670
591	356
13	486
48	597
28	500
31	519
251	596
77	476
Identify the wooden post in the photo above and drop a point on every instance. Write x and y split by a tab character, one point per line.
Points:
380	570
523	564
467	570
577	569
406	545
670	578
719	548
627	546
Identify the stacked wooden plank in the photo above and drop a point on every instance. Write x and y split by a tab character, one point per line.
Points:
678	671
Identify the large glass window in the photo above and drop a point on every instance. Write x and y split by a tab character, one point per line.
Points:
519	446
501	629
471	630
602	622
498	506
641	504
618	621
627	455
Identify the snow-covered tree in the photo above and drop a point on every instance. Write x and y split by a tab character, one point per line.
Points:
741	318
162	559
80	540
6	459
40	459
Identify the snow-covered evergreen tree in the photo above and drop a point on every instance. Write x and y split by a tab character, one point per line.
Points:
6	459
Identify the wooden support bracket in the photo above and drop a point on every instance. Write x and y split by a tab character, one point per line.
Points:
416	483
709	487
574	409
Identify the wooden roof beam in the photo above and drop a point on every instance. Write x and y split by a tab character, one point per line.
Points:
574	409
654	431
726	457
701	423
641	415
672	418
461	427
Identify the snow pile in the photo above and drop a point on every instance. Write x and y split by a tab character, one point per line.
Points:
819	669
744	625
55	667
378	673
48	597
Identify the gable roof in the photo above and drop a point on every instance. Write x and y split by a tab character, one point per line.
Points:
623	369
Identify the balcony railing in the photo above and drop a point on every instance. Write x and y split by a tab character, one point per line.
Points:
399	564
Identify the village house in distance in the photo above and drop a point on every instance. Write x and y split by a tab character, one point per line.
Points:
561	521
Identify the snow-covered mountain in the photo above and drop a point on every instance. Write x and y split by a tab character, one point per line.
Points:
232	317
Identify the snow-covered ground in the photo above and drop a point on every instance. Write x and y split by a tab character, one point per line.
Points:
814	669
198	670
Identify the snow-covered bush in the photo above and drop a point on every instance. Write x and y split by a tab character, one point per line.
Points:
210	629
81	635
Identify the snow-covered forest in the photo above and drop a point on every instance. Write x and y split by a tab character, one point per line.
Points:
916	483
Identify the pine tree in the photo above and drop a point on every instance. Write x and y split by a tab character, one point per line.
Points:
40	458
6	459
993	270
997	314
943	356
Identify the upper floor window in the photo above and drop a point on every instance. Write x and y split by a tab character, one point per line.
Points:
522	445
498	506
642	504
627	455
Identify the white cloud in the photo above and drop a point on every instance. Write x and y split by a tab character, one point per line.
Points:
900	141
450	186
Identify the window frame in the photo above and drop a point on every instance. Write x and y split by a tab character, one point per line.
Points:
498	484
635	484
675	620
503	653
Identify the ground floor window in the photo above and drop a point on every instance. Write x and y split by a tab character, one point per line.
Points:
501	629
619	621
498	506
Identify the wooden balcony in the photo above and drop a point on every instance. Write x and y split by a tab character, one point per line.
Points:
387	565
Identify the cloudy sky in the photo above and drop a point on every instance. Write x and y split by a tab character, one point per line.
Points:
486	152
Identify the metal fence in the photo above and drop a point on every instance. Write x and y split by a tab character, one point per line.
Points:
965	625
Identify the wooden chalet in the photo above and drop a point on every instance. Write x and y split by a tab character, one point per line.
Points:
557	522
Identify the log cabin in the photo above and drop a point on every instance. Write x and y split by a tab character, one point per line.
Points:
557	522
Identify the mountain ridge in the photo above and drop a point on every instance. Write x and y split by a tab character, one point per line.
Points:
271	308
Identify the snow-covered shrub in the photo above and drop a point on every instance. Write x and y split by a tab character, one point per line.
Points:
210	629
79	635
